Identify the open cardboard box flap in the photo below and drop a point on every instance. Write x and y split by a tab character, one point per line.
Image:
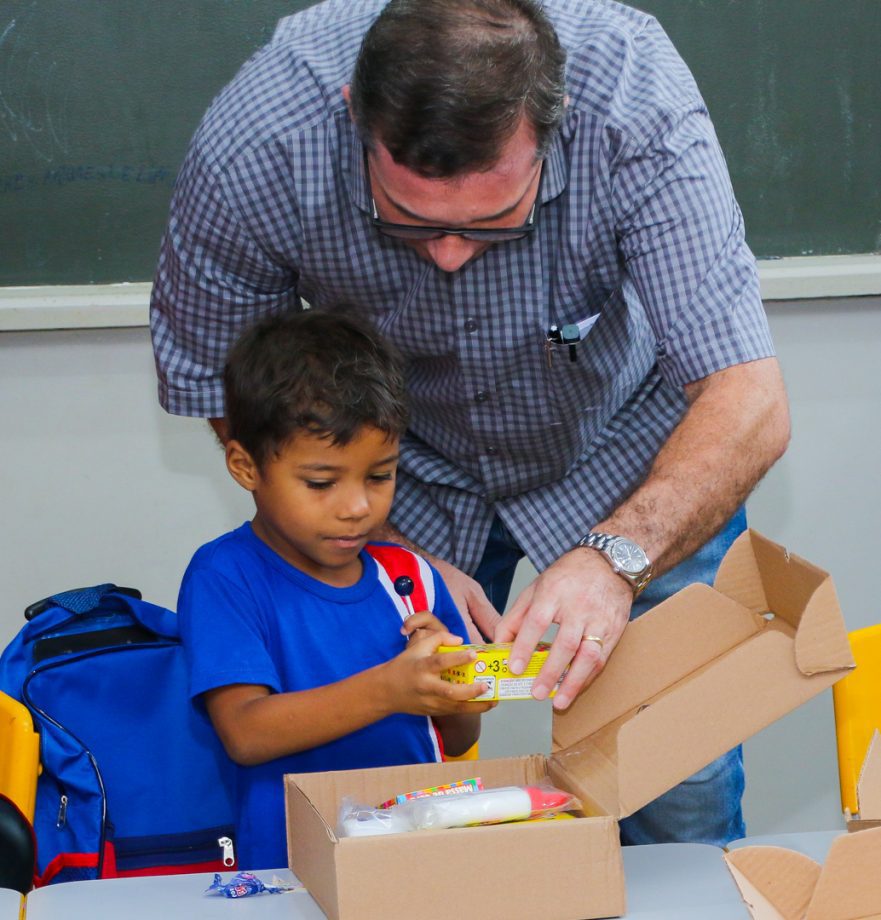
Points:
725	662
780	884
868	789
691	679
869	783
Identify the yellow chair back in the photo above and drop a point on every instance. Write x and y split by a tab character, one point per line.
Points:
19	755
470	754
857	701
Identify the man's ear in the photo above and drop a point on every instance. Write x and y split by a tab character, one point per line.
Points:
347	95
241	466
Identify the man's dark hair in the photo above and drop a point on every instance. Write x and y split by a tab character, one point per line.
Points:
444	84
326	373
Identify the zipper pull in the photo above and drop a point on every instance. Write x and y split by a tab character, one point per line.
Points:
229	856
62	812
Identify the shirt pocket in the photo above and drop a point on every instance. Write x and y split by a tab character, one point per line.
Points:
588	380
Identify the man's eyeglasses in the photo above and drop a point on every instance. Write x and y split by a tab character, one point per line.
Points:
478	234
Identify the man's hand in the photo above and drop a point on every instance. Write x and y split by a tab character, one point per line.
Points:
584	597
698	480
478	613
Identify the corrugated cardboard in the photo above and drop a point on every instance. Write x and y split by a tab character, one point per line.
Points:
689	680
868	790
780	884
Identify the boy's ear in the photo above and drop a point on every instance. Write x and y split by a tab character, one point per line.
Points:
241	466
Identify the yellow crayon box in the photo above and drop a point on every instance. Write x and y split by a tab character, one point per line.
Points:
491	668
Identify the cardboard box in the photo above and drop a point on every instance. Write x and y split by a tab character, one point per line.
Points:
868	790
697	675
780	884
491	668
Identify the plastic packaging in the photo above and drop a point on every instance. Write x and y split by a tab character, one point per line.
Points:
357	820
492	806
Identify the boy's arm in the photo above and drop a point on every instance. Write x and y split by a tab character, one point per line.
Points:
461	731
256	725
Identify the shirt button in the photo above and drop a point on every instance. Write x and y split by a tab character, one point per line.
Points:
481	396
492	451
470	325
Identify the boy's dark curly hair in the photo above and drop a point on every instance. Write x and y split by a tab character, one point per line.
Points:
326	373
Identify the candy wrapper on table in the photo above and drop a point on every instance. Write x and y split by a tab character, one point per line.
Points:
245	884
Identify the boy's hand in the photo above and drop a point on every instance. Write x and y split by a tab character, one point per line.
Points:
422	624
413	678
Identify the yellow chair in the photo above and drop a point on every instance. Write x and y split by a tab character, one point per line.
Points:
19	767
857	701
470	754
19	755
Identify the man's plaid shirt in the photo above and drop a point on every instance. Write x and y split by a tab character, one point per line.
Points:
639	241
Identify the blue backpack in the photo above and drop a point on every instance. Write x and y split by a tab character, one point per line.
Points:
134	780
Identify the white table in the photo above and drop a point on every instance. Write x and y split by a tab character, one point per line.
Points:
10	904
167	897
679	881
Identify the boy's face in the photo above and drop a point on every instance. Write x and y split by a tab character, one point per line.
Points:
317	503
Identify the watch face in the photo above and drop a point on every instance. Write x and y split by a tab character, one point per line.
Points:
629	557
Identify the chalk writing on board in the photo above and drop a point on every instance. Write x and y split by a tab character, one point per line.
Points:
32	99
70	174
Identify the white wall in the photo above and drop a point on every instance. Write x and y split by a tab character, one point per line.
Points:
98	484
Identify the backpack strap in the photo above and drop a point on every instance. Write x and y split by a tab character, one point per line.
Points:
78	600
120	617
395	563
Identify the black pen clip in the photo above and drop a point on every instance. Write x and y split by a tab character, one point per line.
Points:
571	336
568	335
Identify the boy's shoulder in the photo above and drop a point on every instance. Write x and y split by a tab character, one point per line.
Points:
226	550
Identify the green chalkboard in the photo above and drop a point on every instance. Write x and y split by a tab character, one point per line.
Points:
794	89
98	99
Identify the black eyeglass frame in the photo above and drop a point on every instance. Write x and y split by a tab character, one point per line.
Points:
425	232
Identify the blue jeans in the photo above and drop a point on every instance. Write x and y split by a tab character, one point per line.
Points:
706	807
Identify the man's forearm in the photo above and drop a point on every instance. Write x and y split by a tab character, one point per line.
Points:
736	427
390	534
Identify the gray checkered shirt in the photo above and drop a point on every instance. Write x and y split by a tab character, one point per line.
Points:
639	241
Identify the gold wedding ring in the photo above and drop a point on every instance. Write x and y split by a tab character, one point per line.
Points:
596	639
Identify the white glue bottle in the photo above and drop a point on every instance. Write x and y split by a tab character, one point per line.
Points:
491	806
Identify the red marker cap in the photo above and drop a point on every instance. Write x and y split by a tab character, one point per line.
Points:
544	799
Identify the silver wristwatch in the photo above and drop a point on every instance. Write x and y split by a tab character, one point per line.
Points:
627	558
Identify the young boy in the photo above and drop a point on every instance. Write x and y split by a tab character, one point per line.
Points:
303	654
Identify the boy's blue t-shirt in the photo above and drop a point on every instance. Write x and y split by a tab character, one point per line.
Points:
249	617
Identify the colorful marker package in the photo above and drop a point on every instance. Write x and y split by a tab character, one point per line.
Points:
490	667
